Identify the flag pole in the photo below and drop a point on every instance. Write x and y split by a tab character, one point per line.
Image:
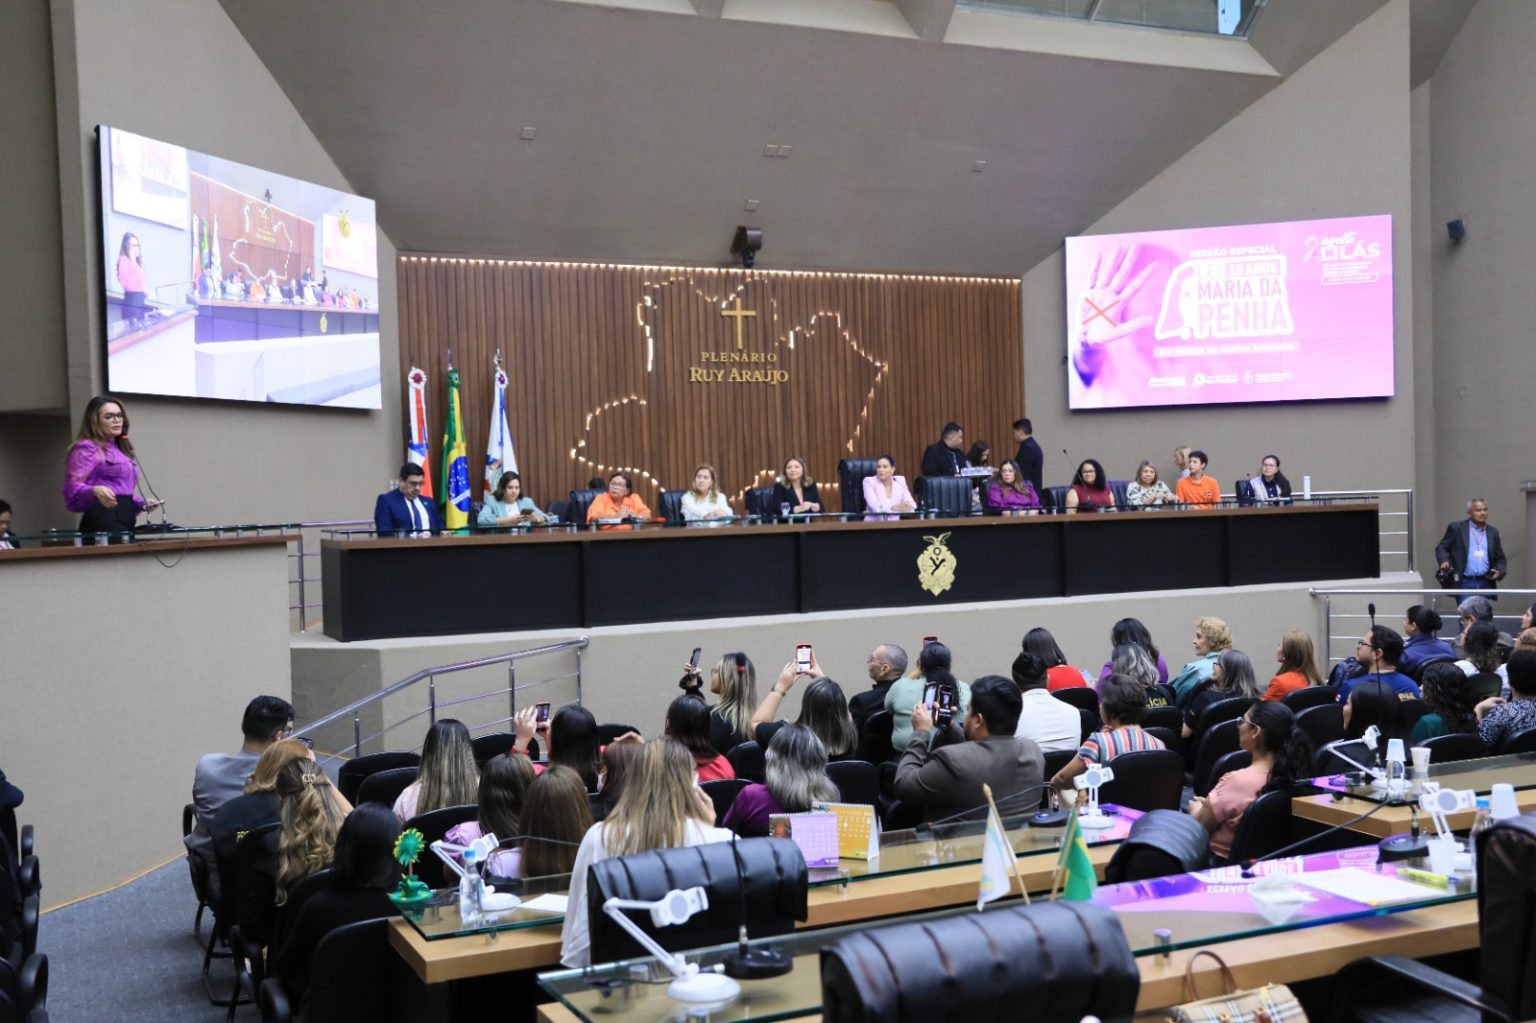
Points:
986	790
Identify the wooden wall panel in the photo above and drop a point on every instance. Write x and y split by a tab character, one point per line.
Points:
637	367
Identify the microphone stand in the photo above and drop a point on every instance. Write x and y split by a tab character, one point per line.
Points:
1248	865
747	963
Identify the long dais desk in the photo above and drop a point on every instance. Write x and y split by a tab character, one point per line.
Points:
1343	805
587	578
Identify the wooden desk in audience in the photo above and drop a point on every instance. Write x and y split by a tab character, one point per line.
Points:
538	948
1286	958
1390	820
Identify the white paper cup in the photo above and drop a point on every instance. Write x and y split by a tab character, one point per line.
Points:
1420	756
1442	856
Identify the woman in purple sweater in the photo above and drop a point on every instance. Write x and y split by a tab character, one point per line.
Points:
100	473
1011	492
797	777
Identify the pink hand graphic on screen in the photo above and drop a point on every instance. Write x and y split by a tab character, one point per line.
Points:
1099	314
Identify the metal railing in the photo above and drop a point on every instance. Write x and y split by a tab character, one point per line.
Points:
300	556
1391	608
356	709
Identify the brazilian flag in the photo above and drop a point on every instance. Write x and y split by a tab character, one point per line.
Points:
455	480
1079	881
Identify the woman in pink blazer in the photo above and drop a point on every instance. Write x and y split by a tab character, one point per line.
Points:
886	492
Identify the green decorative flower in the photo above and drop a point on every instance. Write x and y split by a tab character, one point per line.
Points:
408	847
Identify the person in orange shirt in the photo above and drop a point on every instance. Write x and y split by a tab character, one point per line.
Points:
1298	666
1197	487
619	502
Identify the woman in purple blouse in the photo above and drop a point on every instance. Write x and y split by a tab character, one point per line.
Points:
796	769
1011	492
100	474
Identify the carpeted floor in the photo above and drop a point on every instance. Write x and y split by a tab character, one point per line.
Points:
129	956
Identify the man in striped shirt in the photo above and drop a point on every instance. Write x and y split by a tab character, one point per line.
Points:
1122	708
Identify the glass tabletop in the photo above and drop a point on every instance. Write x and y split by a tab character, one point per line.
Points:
901	852
1201	909
1518	769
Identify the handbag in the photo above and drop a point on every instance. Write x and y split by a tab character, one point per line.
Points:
1272	1003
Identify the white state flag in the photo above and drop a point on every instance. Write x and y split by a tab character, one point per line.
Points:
499	457
997	861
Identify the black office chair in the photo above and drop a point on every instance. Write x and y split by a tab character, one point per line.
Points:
851	473
1214	713
1164	717
1323	724
1169	738
775	897
1484	684
1520	742
1146	780
1064	960
578	503
1398	988
24	990
875	738
1118	488
354	975
606	733
1417	671
250	967
1226	764
1080	697
1089	723
1055	760
557	510
1216	743
857	781
474	515
492	744
723	792
1310	696
349	777
1411	711
1160	844
1169	694
433	825
385	786
759	501
1267	825
748	761
1055	498
948	496
197	867
1445	749
670	507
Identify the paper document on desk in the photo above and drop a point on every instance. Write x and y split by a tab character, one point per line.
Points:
546	904
1365	886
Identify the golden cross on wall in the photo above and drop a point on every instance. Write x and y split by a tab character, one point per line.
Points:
736	314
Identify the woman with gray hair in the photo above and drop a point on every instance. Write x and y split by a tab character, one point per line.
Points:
797	778
1132	661
1231	675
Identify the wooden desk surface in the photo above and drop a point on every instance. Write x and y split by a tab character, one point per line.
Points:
538	948
1275	958
148	543
1389	820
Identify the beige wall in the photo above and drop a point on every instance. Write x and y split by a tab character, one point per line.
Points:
205	89
1333	140
630	673
120	670
1482	148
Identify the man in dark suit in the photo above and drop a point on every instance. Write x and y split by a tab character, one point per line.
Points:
1030	458
402	512
947	782
1472	549
946	456
887	663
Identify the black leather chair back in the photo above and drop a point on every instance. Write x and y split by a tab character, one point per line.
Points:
1164	717
578	503
349	975
349	777
1055	498
1417	671
253	870
1483	685
775	877
875	737
851	473
474	515
1310	696
1213	744
1064	960
1055	760
606	733
385	786
669	506
1520	742
1411	711
557	510
857	781
1146	780
759	501
748	761
288	913
1162	843
1266	826
1117	487
433	825
1506	904
1227	763
1217	711
949	496
493	744
723	792
1171	739
1323	724
1080	697
1444	749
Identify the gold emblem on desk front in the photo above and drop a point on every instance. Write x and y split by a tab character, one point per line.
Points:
936	565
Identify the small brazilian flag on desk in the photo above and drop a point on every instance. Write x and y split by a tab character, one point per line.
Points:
1079	882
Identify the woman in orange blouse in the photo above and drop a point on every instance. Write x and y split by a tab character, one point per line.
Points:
1298	666
619	502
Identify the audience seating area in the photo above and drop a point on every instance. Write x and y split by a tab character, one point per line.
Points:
23	970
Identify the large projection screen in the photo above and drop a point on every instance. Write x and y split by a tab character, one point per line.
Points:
1298	311
226	281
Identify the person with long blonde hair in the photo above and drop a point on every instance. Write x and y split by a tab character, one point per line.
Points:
556	817
310	812
448	775
259	804
795	488
734	680
661	808
703	502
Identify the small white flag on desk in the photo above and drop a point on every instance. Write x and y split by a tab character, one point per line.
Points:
997	861
499	457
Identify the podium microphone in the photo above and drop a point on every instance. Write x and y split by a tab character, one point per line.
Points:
747	963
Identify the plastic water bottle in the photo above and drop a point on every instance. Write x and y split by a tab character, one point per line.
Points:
470	887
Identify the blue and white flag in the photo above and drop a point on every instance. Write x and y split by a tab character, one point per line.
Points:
499	457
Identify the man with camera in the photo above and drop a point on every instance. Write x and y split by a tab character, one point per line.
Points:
1470	555
946	782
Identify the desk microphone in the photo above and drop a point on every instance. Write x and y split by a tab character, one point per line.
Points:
747	963
1249	864
1370	609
